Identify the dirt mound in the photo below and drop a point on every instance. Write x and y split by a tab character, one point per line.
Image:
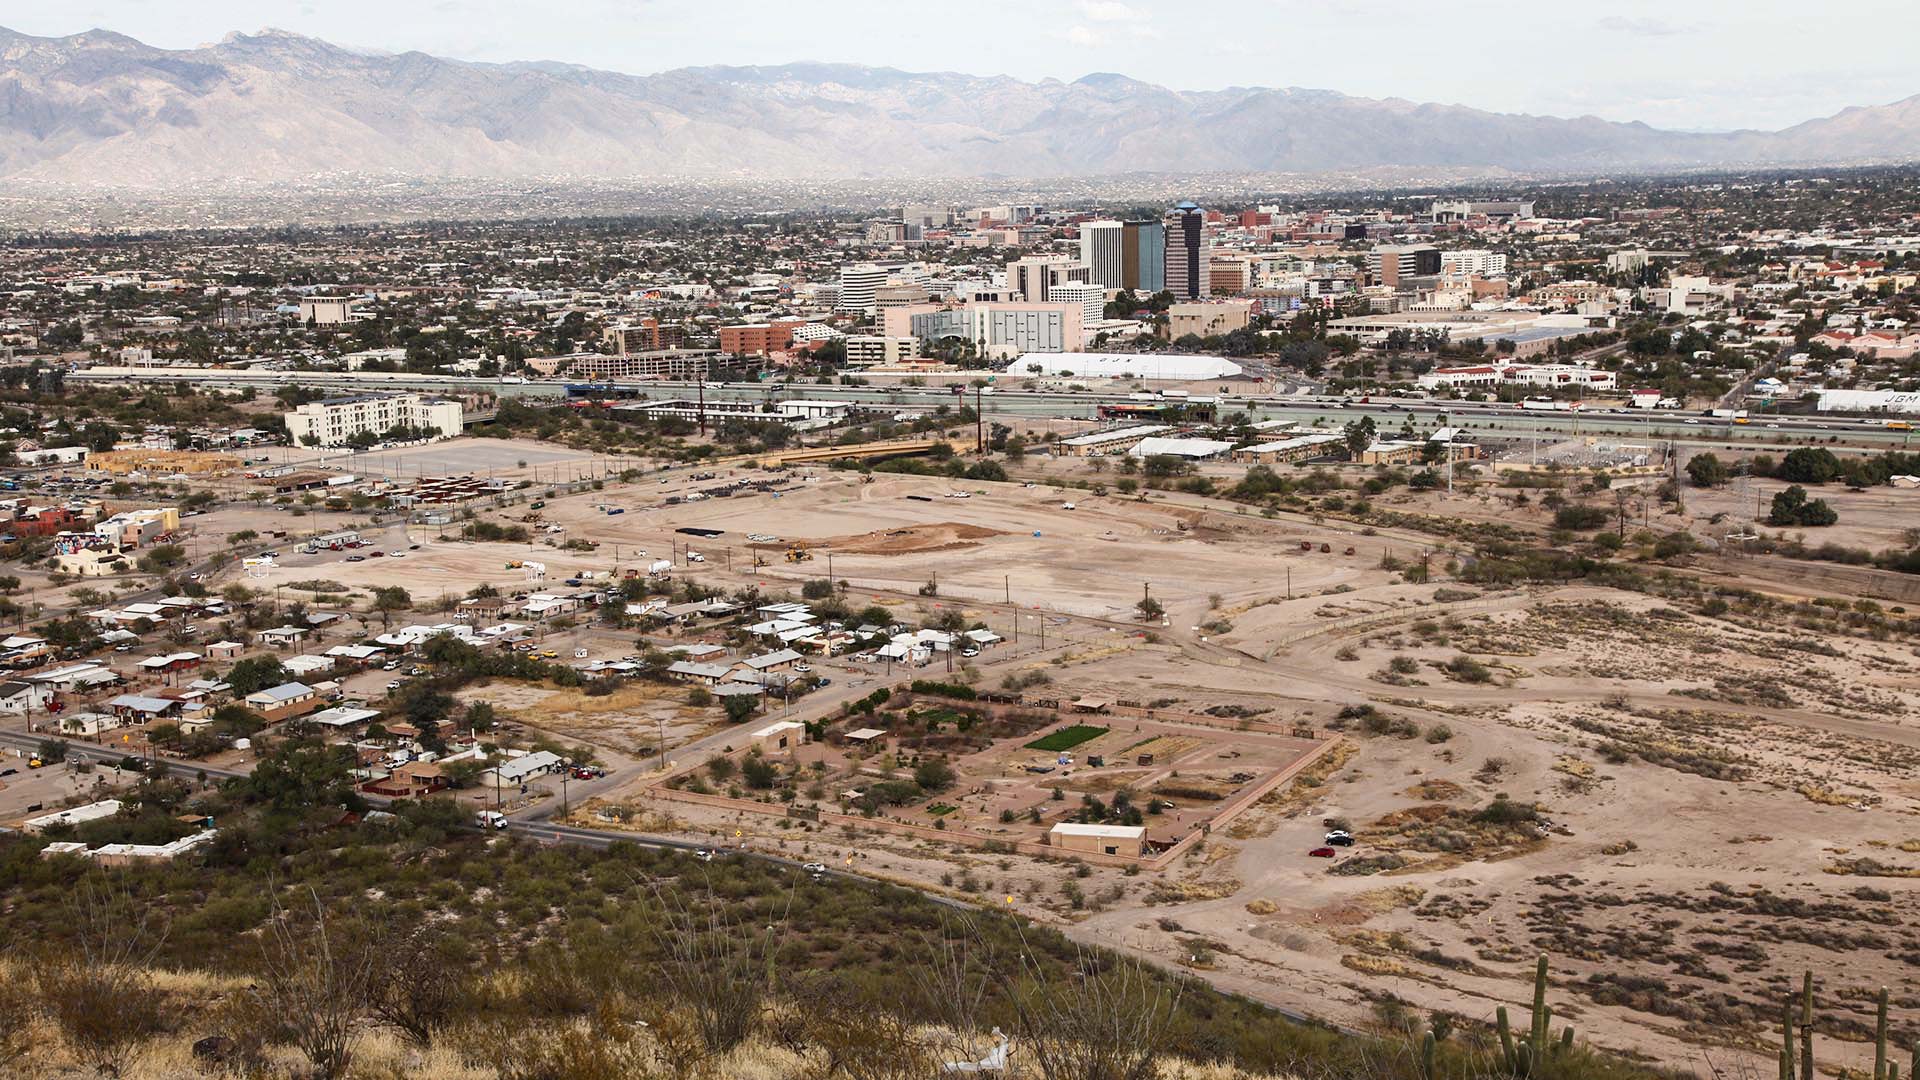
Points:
943	536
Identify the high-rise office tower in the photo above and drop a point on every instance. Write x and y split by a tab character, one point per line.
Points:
1125	254
1187	255
1103	250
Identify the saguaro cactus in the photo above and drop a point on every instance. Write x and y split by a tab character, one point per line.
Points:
1523	1058
1880	1038
1806	1025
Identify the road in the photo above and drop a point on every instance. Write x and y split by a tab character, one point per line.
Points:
1767	432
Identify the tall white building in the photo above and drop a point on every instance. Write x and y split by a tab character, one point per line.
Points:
1103	247
335	421
858	283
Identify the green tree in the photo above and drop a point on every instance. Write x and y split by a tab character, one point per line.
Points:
740	708
758	772
301	775
256	673
933	775
1707	470
1358	435
388	599
1809	465
1792	507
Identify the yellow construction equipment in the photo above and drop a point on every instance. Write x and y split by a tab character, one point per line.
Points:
795	554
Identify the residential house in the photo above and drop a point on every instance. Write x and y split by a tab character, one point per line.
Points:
19	697
286	700
779	660
694	671
140	708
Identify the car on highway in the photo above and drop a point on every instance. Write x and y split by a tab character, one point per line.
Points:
814	868
703	854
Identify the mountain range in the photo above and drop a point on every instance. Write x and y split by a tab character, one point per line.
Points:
99	108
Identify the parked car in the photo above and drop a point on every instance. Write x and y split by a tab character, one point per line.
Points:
1321	853
391	665
801	669
394	685
356	558
1340	838
703	854
814	868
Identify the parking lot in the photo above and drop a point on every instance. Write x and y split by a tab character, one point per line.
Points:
27	792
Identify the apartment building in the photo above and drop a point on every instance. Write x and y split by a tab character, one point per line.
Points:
336	421
1480	263
644	335
679	364
759	339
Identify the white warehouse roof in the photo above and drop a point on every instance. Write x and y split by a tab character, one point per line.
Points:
1176	367
1186	448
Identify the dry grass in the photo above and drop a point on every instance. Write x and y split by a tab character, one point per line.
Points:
381	1054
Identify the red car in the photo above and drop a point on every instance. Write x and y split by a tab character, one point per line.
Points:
1321	853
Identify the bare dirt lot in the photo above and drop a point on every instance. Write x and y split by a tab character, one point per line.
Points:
1684	806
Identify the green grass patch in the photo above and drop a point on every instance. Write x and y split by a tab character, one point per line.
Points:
1067	737
941	809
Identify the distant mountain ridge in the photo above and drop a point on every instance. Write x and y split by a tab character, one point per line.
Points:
102	108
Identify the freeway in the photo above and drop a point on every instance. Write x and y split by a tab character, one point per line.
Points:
1490	418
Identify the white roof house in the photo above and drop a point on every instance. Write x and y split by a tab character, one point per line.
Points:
307	665
343	717
105	808
514	770
278	695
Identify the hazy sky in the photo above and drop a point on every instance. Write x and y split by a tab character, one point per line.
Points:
1708	64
